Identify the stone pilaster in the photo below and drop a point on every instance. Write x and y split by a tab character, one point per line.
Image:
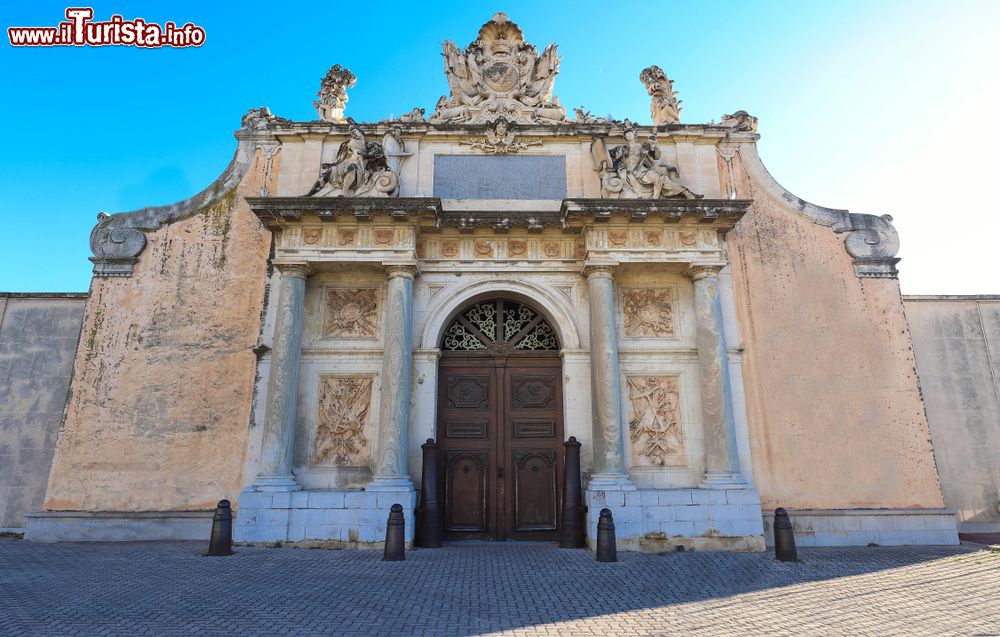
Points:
275	471
722	469
609	446
390	454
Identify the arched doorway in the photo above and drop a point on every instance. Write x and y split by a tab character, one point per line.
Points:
500	426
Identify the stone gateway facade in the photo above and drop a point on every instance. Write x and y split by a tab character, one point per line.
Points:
497	276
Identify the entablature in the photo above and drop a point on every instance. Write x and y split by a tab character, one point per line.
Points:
369	230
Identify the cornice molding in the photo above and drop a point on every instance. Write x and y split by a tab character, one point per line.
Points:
723	212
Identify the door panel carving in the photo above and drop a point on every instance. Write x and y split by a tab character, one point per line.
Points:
465	491
466	428
534	428
469	392
533	391
535	490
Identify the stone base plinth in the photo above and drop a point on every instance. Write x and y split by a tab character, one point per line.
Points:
655	520
118	526
860	527
354	519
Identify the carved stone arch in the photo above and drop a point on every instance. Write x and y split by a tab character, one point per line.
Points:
500	326
452	300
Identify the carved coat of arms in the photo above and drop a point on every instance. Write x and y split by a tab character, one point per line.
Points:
499	75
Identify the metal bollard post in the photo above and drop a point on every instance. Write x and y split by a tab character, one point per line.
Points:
429	512
607	551
572	533
395	541
221	540
784	537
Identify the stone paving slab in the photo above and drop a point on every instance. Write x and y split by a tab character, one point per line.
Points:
169	588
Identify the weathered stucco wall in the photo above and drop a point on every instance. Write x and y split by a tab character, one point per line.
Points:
38	338
163	383
834	410
957	344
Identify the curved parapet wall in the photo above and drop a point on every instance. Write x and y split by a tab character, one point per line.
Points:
834	411
118	239
163	379
871	240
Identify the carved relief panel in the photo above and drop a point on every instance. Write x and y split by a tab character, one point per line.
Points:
655	421
343	426
351	312
648	312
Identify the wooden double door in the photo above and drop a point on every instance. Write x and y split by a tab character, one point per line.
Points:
500	434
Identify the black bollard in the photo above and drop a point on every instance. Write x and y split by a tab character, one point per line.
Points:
572	535
429	512
606	549
784	537
395	540
221	541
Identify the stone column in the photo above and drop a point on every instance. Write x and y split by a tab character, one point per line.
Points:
391	446
275	472
722	468
609	446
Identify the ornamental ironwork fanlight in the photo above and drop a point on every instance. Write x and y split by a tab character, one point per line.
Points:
499	327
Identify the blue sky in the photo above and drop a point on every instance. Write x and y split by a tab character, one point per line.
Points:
883	107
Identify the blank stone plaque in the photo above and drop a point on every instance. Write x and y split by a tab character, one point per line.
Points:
504	177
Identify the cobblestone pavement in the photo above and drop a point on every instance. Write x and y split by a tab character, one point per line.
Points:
518	589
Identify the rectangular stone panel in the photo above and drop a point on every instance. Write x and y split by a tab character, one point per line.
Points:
499	177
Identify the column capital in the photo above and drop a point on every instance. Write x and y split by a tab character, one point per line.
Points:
299	269
700	271
599	269
401	270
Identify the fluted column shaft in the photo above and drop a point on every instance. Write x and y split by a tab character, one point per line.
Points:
391	449
282	387
722	469
609	446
